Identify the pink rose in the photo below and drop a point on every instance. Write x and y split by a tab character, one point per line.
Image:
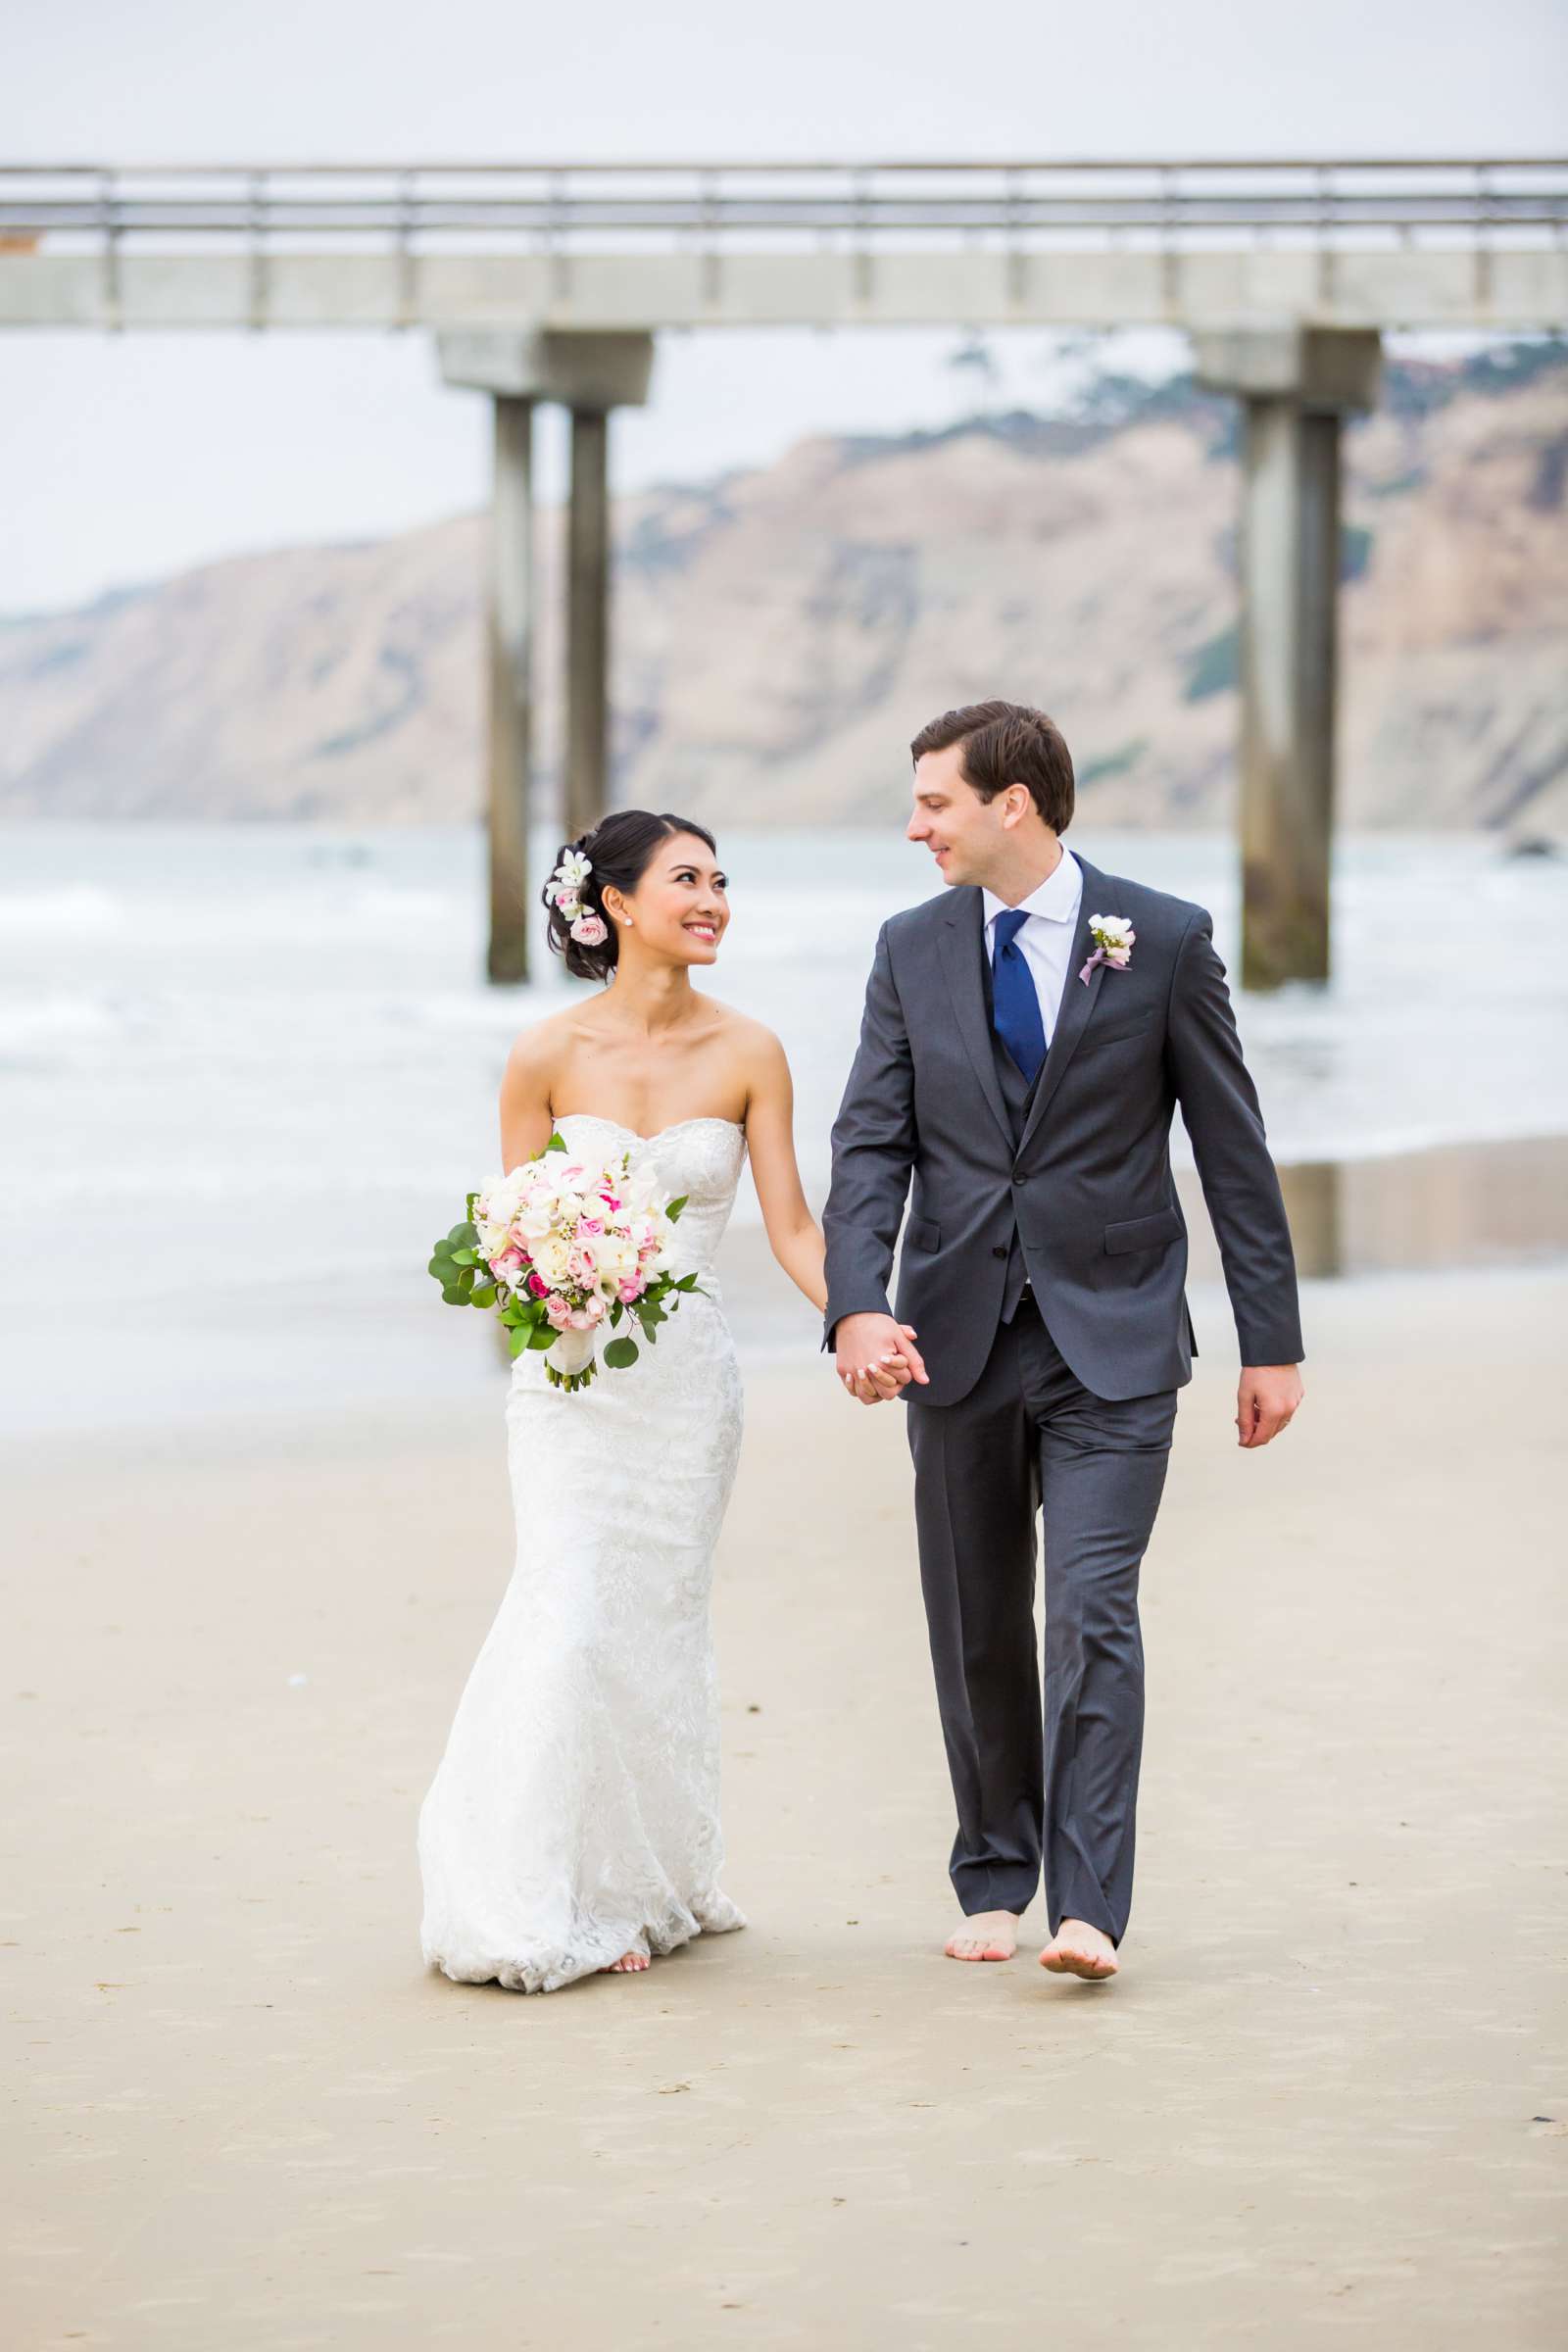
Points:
557	1312
508	1266
632	1288
538	1285
590	1225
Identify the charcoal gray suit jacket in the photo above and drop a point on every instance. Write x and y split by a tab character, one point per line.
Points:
1087	1184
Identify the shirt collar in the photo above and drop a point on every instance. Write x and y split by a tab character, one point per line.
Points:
1056	899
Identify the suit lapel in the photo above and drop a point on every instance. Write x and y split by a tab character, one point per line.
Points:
963	937
1078	1002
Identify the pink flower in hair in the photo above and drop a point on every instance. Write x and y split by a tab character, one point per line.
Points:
590	931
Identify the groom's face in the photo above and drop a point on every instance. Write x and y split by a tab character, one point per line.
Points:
965	835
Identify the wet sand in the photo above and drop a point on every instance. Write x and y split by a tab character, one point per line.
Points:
1327	2101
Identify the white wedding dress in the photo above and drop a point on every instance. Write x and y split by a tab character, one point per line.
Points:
574	1814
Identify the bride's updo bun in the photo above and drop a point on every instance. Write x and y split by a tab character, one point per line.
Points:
615	856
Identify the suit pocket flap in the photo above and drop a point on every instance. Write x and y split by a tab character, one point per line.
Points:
1093	1037
921	1234
1146	1233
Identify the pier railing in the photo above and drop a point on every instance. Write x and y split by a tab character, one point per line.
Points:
732	205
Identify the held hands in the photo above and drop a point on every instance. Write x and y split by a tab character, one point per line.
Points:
1266	1398
876	1357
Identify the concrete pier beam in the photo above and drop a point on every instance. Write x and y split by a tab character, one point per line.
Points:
1297	383
589	373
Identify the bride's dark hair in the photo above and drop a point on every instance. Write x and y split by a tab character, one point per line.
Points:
617	850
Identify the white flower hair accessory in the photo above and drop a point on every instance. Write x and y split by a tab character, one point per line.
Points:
565	888
1114	937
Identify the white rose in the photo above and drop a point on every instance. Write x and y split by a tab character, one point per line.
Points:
614	1256
550	1256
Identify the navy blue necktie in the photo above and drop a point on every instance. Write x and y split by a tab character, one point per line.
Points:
1014	1006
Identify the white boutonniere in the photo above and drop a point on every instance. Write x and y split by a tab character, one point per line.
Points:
1114	937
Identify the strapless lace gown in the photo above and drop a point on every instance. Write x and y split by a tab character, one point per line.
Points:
574	1814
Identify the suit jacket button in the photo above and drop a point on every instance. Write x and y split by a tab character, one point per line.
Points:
1000	1250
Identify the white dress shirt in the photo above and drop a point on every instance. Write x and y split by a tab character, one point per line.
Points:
1046	938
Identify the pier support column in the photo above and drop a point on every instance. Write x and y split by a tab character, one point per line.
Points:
588	719
508	623
589	373
1297	384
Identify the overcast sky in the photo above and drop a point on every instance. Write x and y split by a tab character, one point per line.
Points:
124	458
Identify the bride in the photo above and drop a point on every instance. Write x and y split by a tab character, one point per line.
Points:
572	1824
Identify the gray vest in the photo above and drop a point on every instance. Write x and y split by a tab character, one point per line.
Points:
1017	1093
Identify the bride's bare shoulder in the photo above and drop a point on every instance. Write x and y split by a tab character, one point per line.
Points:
538	1052
755	1047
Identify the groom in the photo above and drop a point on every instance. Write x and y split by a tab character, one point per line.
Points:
1027	1036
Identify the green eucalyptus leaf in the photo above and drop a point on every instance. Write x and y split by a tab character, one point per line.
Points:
483	1294
464	1256
619	1353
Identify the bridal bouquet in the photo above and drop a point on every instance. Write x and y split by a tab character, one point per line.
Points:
564	1249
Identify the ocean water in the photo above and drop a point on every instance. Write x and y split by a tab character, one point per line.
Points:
247	1074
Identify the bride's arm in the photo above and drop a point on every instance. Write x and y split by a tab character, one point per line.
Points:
793	1233
527	1119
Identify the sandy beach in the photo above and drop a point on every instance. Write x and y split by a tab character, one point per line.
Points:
1327	2101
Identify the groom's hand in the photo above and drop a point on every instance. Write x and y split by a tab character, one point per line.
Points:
876	1357
1266	1398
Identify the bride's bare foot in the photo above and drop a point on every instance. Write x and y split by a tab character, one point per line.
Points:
628	1965
1079	1950
987	1936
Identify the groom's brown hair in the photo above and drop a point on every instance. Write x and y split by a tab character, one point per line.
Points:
1008	743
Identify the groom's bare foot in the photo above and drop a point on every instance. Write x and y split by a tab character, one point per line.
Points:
987	1936
1079	1950
627	1965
